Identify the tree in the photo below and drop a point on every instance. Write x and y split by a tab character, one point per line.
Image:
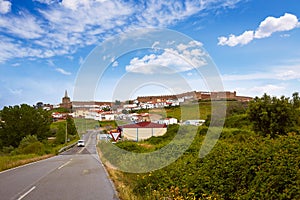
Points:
71	126
117	102
296	100
271	116
60	135
19	121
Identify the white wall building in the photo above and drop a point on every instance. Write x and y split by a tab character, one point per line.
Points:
195	122
143	130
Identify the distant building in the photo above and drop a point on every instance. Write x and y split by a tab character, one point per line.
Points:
66	101
167	121
194	122
194	95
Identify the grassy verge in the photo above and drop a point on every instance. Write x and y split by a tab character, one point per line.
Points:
8	162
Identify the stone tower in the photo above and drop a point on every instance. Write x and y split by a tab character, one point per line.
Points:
66	101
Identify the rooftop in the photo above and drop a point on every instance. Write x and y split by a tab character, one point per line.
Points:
145	125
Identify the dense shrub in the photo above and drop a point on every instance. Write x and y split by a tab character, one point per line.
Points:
31	145
168	136
237	121
259	168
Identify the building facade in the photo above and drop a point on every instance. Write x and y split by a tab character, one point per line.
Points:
143	130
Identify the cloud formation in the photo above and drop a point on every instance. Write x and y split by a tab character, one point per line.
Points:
266	28
62	71
284	72
5	6
61	27
179	59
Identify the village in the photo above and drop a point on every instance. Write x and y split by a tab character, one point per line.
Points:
133	123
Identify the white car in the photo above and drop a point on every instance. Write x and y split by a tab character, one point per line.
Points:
80	143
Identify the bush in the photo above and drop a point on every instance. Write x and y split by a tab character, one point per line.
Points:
33	148
237	121
259	168
31	145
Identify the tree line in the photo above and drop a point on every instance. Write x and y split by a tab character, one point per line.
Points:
24	124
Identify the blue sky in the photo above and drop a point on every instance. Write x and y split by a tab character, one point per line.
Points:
44	44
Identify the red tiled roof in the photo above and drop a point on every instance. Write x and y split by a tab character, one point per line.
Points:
145	125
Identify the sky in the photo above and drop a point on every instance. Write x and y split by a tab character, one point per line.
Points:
47	45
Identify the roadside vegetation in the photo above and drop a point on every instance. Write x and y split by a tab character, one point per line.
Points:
256	157
29	134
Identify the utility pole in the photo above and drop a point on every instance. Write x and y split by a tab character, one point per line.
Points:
66	139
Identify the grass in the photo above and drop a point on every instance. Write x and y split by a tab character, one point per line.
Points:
8	162
84	124
190	111
108	124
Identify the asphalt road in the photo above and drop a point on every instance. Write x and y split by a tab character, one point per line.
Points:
75	174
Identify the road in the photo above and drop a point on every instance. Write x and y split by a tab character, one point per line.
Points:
75	174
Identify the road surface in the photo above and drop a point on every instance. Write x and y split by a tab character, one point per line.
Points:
75	174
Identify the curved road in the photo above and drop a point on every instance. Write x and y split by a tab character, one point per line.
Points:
75	174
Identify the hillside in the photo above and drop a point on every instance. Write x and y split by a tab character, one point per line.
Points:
242	165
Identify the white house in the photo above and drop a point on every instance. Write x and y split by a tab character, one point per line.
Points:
143	130
194	122
167	121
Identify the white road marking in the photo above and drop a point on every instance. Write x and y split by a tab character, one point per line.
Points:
81	150
65	164
21	197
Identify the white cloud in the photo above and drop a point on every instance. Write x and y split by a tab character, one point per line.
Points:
155	44
62	71
5	6
183	57
266	28
233	40
48	2
10	49
81	60
74	4
270	89
25	26
15	91
284	72
64	26
51	63
285	35
115	64
15	64
271	25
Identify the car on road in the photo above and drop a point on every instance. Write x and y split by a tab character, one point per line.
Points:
80	143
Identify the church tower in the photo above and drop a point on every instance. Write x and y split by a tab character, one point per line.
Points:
66	101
